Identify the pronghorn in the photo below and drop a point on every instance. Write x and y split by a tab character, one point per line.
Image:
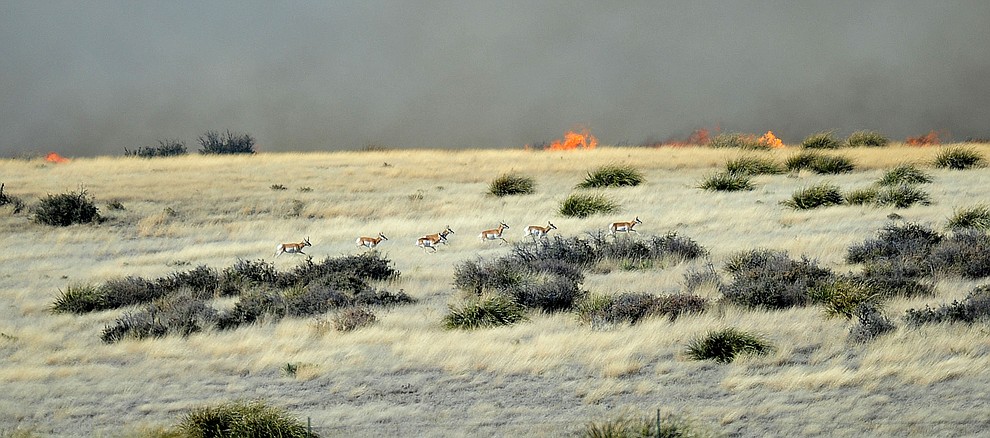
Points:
431	240
538	231
371	242
293	248
623	227
495	233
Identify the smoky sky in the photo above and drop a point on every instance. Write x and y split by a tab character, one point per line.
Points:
96	77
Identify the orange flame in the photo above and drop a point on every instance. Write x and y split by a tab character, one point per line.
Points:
574	140
54	157
929	139
771	140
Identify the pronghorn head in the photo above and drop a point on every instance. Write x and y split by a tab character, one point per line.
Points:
503	224
381	235
306	242
637	221
551	226
448	230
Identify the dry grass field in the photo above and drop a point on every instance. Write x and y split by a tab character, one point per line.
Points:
407	375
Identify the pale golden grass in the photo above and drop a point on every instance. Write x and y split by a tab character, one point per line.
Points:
224	210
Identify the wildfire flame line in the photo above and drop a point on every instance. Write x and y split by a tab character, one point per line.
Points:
771	140
54	157
574	140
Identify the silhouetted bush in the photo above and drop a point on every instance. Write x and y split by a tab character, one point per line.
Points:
904	174
821	140
166	148
583	205
977	217
821	195
771	280
229	143
66	209
511	184
872	324
866	139
487	312
726	182
975	307
737	140
753	166
724	346
242	419
612	175
958	158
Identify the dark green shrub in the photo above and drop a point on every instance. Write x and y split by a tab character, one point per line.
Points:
872	324
902	196
253	306
841	296
753	166
490	311
862	196
821	140
670	246
350	272
801	160
602	311
896	277
78	299
246	274
571	250
16	203
213	142
737	140
831	165
726	182
128	291
667	426
975	307
512	184
166	148
66	209
822	195
382	298
242	419
203	281
549	294
724	345
612	175
353	318
977	217
770	279
312	300
958	158
904	174
177	314
583	205
907	240
866	139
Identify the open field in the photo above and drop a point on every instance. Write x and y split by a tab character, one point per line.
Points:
407	375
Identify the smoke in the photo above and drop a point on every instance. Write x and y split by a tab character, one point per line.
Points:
87	78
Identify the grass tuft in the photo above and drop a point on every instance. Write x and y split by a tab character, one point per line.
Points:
583	205
904	174
726	182
512	184
866	139
612	175
724	346
488	312
821	140
977	217
753	166
242	419
958	158
821	195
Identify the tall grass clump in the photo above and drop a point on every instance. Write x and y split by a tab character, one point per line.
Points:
66	209
16	203
821	195
902	196
958	158
666	426
904	174
974	308
832	165
864	196
583	205
802	160
80	298
753	166
353	318
213	142
723	346
166	148
242	419
866	139
843	295
511	184
977	217
770	279
726	182
612	175
821	140
738	141
487	312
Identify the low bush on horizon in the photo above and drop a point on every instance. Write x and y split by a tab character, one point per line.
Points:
215	143
821	195
821	140
753	166
723	346
512	184
726	182
958	158
242	419
819	163
612	175
977	217
166	148
66	209
582	205
866	139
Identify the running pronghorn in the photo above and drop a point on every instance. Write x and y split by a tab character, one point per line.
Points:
292	248
495	233
538	231
371	242
623	227
431	240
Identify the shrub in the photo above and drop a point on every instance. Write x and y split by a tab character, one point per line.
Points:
670	246
841	296
66	209
251	307
724	345
831	165
975	307
902	196
128	291
166	148
668	426
180	314
866	139
821	140
753	166
549	294
965	253
771	280
487	312
895	278
958	158
612	175
907	240
203	280
571	250
383	298
247	274
977	217
81	298
584	205
242	419
312	300
872	323
13	201
801	160
512	184
904	174
737	140
231	143
822	195
862	196
353	318
695	279
726	182
278	187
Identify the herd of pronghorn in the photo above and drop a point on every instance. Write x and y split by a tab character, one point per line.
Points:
431	241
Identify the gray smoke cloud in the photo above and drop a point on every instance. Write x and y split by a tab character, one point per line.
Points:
95	77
